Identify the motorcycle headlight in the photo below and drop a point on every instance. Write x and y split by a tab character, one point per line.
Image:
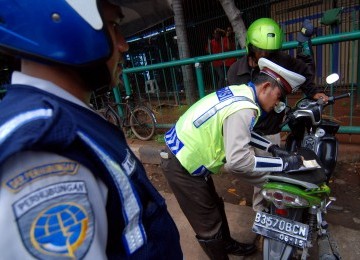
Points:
284	198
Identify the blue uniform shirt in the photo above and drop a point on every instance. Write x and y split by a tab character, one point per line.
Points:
138	224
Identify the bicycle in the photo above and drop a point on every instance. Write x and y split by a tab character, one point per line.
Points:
140	119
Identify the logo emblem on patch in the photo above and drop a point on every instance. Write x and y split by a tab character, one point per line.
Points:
56	221
59	168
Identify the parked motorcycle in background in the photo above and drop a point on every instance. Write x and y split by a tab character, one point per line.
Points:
298	199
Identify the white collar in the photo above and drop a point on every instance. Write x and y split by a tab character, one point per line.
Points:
21	78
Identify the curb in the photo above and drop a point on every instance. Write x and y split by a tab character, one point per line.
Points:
149	154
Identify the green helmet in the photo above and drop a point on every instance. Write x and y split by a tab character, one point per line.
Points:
265	34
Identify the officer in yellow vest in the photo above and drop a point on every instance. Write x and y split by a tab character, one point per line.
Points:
217	132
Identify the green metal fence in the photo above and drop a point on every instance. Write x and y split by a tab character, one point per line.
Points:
164	90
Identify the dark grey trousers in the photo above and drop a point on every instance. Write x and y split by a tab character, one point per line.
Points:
196	196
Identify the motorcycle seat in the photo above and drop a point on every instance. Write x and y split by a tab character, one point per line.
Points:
316	176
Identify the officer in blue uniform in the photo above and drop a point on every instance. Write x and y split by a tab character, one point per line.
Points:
70	185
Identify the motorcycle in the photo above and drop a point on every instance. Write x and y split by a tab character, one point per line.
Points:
298	199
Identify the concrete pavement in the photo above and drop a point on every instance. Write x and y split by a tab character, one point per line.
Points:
240	221
240	218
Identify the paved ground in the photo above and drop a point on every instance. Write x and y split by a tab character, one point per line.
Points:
240	220
241	217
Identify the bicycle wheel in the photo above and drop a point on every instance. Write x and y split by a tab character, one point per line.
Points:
112	117
142	123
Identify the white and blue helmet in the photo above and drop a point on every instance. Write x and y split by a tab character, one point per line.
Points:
70	32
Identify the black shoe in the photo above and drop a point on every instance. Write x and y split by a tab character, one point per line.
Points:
234	247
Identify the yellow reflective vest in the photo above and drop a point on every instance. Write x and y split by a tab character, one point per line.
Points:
196	140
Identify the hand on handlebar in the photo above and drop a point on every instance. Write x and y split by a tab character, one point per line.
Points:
331	99
322	96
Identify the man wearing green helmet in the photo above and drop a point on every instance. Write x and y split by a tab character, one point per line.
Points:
264	38
264	34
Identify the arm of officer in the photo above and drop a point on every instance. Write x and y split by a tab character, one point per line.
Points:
51	206
236	132
240	156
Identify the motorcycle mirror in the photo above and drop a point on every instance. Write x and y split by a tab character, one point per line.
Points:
332	78
280	107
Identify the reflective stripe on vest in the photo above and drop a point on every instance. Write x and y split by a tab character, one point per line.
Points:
134	235
172	141
175	145
212	111
197	140
10	126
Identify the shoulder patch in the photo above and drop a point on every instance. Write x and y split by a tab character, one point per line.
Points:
16	183
224	93
56	221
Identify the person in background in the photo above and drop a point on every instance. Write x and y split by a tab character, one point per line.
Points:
216	132
215	45
229	45
264	38
70	185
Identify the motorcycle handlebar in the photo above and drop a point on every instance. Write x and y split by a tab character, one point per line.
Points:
333	98
330	101
342	96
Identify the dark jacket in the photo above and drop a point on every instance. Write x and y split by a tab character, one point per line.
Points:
241	73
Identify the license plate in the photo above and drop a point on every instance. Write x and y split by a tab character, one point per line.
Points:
286	230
